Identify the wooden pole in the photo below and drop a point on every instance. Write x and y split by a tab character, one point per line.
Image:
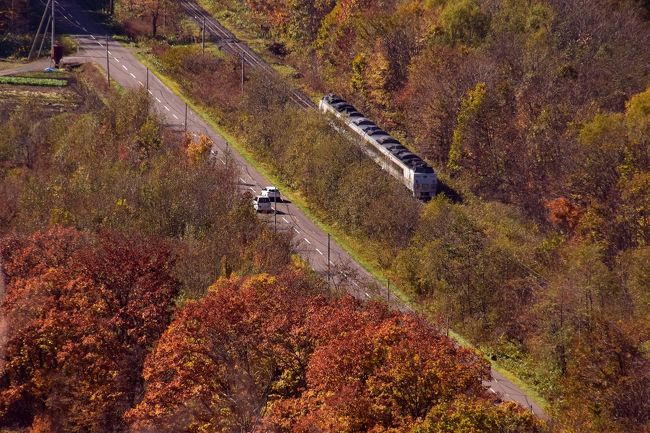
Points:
53	21
108	65
185	117
203	38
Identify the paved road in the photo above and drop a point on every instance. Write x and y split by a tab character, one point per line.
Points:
311	242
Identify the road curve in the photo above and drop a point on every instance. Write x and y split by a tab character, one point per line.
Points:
311	242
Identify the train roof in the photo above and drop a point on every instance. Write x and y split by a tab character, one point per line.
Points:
400	152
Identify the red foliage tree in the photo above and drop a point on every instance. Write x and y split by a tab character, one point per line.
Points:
226	355
375	370
82	312
563	214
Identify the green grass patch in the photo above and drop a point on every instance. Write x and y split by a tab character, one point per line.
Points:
56	75
28	81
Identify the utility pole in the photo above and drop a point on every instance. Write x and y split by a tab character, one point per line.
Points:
328	260
53	21
242	73
388	294
108	65
203	37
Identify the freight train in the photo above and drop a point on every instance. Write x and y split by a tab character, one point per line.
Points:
385	150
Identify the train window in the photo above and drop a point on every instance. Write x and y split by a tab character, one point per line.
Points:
387	140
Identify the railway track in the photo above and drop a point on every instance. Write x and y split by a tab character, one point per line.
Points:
229	43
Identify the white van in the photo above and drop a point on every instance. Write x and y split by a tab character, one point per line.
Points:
262	204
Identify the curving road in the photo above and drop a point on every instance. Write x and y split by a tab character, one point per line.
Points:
311	242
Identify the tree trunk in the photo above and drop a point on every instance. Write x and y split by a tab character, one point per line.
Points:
154	25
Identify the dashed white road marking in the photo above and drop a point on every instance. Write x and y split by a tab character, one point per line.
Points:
285	220
355	283
125	68
166	108
140	83
224	162
242	180
367	294
175	116
109	52
252	189
150	92
307	240
159	101
93	36
131	74
84	29
116	59
319	251
296	230
492	390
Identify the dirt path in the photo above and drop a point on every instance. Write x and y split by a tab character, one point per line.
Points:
36	65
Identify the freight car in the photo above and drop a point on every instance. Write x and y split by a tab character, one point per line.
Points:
385	150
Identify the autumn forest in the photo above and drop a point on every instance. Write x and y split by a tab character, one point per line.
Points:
142	293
